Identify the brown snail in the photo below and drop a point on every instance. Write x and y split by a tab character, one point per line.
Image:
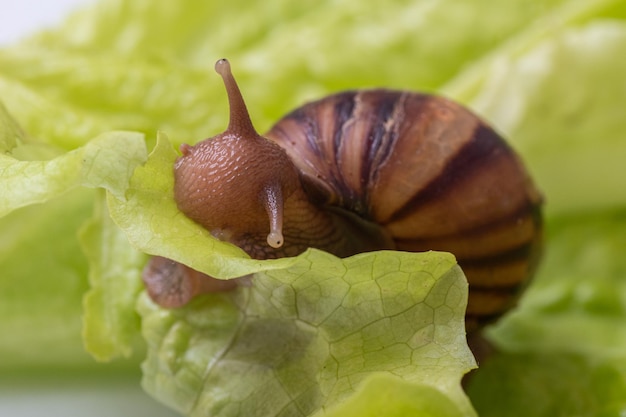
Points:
360	171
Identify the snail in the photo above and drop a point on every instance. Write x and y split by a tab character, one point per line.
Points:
361	171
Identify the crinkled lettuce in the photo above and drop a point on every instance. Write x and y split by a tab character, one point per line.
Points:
304	338
376	334
306	333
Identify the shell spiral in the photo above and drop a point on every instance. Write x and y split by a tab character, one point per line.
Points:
429	172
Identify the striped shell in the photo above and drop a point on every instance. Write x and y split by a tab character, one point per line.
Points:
432	174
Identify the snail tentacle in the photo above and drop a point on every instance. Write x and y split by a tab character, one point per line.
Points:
273	200
240	122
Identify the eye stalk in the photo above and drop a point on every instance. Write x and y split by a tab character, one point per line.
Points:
235	184
240	122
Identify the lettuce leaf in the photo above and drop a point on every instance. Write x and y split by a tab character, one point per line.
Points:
384	394
146	66
51	209
149	217
41	286
306	332
110	323
303	338
548	75
107	161
546	384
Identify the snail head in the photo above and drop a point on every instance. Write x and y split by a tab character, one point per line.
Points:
234	184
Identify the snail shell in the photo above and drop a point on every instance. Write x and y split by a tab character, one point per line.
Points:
366	170
431	174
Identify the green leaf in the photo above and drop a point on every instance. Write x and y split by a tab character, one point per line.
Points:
345	319
42	282
110	325
548	75
559	385
389	396
35	173
46	232
307	336
107	161
146	66
149	217
10	132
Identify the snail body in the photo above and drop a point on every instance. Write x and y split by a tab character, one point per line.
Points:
360	171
